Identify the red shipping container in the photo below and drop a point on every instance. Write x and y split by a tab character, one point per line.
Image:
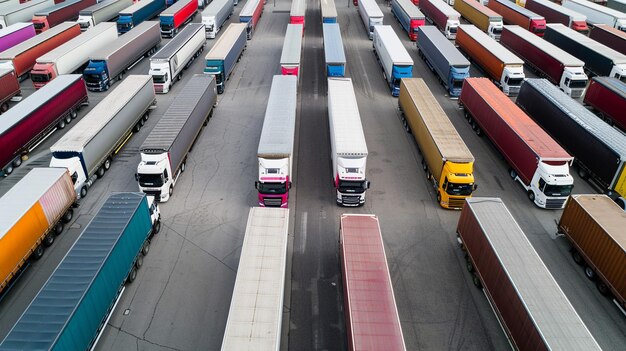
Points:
9	87
609	36
608	96
514	14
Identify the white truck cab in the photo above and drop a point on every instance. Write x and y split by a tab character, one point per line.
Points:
550	186
159	70
574	81
452	26
495	29
619	70
210	27
512	79
350	182
79	177
154	174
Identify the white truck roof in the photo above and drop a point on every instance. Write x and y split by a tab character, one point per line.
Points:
502	53
298	8
371	8
277	135
256	308
344	118
328	9
446	9
559	54
64	49
248	8
410	9
214	8
395	48
135	7
292	46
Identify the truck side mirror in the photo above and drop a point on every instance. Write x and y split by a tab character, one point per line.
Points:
367	184
256	185
475	186
289	185
136	176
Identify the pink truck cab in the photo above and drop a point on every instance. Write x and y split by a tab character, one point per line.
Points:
275	152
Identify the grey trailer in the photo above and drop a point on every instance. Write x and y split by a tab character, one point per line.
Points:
334	54
104	11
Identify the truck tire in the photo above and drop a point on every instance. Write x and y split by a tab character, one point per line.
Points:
478	131
171	191
4	107
61	124
424	166
68	119
476	281
136	128
157	228
531	196
107	164
8	170
17	162
38	252
142	122
182	166
577	257
67	217
74	114
603	289
145	248
58	229
139	261
83	192
512	173
583	173
589	273
132	275
470	266
48	240
100	172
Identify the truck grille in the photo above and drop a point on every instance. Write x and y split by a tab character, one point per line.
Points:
156	194
555	203
456	202
158	88
272	201
576	94
350	199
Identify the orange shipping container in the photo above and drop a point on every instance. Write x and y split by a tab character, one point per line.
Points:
29	212
595	224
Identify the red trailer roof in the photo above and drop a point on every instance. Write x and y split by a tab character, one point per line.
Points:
370	307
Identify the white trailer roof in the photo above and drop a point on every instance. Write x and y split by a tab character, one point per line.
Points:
576	16
57	7
94	8
226	41
617	57
410	9
502	53
328	9
442	6
344	118
214	7
174	45
123	40
11	53
248	8
298	8
255	315
397	51
333	43
88	127
371	8
173	9
72	44
14	28
552	313
12	8
136	6
561	55
279	125
292	46
598	8
23	195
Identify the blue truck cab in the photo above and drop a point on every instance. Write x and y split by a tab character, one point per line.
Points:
137	13
97	75
398	72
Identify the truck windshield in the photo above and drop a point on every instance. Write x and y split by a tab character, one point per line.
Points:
272	188
159	78
352	186
459	189
497	31
92	78
557	190
457	83
38	77
149	180
453	29
578	84
515	82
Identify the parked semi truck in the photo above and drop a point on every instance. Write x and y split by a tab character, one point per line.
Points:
297	12
409	16
443	58
610	37
502	66
168	64
250	15
329	12
394	60
532	309
536	160
334	54
110	63
137	13
555	13
446	159
261	276
441	15
73	55
292	50
177	15
87	150
371	15
275	152
594	226
215	15
598	14
599	59
165	150
224	55
104	11
481	16
15	34
108	254
347	143
618	5
517	15
34	213
22	57
366	277
26	125
607	96
548	60
65	11
9	88
12	14
599	149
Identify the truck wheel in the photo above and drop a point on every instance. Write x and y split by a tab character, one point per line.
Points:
100	172
132	275
139	262
604	290
438	197
583	173
142	122
531	196
136	128
49	239
476	281
424	166
182	167
58	230
512	173
68	119
83	192
17	162
74	114
67	217
157	228
470	267
38	252
145	248
107	86
8	170
61	124
4	107
591	275
478	131
171	191
577	257
107	164
146	116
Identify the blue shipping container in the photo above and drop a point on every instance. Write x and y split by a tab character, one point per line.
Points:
70	309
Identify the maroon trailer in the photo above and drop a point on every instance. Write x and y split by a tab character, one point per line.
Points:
65	11
609	36
533	310
9	87
27	124
372	320
608	97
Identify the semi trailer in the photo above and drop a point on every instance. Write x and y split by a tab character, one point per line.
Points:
87	150
334	54
446	159
215	15
165	150
65	11
555	13
610	37
168	64
598	14
393	58
537	162
441	15
481	16
329	12
225	53
15	34
292	50
250	15
409	16
103	11
176	16
607	97
9	88
517	15
23	12
297	12
26	125
138	12
371	16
